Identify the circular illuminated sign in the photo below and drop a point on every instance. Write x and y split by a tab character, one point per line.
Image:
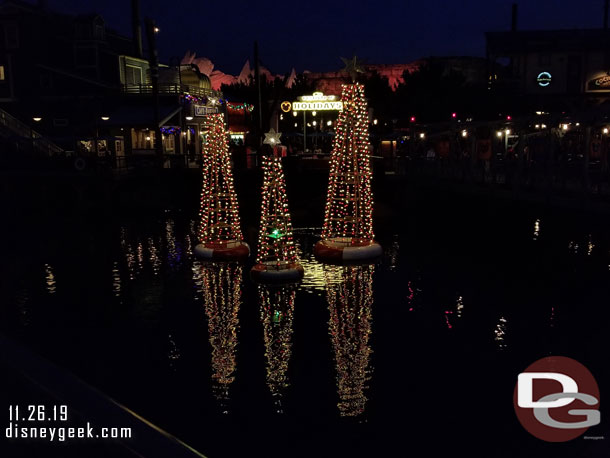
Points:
543	79
286	106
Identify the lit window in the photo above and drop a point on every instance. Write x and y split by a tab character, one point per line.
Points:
1	72
133	75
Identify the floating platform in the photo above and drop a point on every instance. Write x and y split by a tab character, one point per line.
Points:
230	250
345	250
271	273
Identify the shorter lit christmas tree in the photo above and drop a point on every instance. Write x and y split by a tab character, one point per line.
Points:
220	234
277	259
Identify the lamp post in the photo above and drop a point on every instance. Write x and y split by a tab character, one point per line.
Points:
304	131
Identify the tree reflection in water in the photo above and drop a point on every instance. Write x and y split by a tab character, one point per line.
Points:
277	311
350	299
221	287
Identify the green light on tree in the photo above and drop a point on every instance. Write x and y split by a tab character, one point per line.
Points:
275	234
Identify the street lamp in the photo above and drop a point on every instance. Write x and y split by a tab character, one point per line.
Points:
105	118
37	119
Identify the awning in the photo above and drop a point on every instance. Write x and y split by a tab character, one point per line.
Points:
140	116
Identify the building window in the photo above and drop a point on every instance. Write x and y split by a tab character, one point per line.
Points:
133	75
99	32
11	36
544	59
2	78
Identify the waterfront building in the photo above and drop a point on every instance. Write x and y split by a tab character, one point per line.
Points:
74	81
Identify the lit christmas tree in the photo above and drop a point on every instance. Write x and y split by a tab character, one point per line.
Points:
220	234
221	287
277	259
348	219
277	310
350	298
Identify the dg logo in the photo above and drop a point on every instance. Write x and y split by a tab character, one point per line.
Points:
557	399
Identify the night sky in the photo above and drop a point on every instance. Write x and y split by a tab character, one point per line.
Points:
312	35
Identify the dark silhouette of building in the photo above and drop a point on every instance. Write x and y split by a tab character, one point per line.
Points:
88	89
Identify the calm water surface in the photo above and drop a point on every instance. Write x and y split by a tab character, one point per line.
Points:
417	352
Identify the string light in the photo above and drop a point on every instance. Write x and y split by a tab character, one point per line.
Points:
240	106
170	130
275	238
349	204
219	211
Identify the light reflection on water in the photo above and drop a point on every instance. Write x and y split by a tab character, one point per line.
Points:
536	229
50	279
277	314
347	290
221	288
116	279
350	301
500	333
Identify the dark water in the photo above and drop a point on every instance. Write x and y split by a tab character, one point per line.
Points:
415	355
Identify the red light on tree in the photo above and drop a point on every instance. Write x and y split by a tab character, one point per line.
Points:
454	115
508	118
412	118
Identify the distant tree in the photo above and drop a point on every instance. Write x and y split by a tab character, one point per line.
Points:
378	93
432	93
272	93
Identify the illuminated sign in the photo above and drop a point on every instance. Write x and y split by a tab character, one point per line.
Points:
601	83
543	79
285	106
317	102
201	110
317	97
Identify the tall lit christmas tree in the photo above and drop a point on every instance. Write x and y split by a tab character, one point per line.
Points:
277	259
350	301
348	218
220	233
221	287
277	310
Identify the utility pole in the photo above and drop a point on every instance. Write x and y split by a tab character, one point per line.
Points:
153	60
259	111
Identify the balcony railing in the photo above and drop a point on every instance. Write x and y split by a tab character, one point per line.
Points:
173	89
